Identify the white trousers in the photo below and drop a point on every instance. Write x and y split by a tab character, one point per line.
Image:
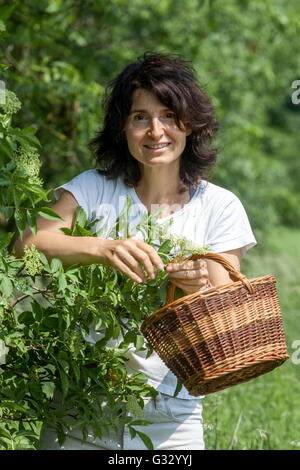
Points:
176	424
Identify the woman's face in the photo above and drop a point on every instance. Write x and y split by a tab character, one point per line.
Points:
153	137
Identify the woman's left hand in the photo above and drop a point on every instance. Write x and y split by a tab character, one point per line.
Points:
190	276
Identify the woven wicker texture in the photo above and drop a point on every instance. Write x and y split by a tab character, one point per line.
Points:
220	337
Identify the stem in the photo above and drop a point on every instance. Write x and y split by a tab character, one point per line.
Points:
234	437
24	296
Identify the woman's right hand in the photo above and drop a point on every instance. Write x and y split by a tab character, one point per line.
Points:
129	255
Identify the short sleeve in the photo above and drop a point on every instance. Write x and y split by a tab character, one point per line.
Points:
230	228
86	188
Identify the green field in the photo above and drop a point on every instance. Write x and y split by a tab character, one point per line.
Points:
264	413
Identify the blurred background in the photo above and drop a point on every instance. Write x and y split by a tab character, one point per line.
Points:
61	55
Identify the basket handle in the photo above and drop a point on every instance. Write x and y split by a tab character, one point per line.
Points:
234	273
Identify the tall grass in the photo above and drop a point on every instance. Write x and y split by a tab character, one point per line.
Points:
264	413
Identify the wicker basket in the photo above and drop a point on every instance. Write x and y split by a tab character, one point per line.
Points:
220	337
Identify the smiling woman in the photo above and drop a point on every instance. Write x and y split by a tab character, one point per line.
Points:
155	149
151	131
171	84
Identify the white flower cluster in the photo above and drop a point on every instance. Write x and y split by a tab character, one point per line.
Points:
183	244
33	264
12	103
28	161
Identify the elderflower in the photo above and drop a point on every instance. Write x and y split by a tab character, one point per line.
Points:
33	264
12	103
183	244
75	343
27	160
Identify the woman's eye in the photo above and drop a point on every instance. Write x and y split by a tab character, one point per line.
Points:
170	115
138	117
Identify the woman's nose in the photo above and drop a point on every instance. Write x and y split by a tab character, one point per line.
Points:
156	127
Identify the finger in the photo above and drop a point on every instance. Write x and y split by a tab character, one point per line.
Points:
190	275
186	265
145	260
192	283
152	253
123	258
135	258
189	286
128	272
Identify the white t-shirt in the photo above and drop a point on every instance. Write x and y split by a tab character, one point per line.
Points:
214	216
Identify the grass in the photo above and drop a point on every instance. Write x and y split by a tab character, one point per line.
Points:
264	413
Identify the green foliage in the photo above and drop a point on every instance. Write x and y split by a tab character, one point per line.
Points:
57	57
47	312
62	54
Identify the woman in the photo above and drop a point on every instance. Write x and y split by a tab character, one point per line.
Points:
154	147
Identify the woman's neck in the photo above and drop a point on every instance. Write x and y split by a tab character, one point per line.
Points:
160	184
164	188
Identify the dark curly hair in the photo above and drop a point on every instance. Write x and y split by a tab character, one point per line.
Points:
174	83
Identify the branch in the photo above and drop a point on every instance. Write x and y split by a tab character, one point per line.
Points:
24	296
7	418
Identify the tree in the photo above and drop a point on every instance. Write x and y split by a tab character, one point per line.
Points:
57	59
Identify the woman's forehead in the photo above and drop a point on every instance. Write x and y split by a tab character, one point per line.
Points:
143	100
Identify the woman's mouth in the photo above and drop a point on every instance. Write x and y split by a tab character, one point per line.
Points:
157	146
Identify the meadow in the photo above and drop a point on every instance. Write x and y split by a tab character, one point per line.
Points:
264	413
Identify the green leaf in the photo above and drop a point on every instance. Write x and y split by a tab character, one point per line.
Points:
31	221
60	433
29	133
66	230
30	130
80	231
48	389
5	179
43	258
7	212
6	11
36	189
62	282
5	239
63	372
6	287
133	406
139	342
162	291
55	265
20	136
165	247
35	390
80	216
49	213
20	221
76	370
5	148
23	285
178	388
146	439
129	337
